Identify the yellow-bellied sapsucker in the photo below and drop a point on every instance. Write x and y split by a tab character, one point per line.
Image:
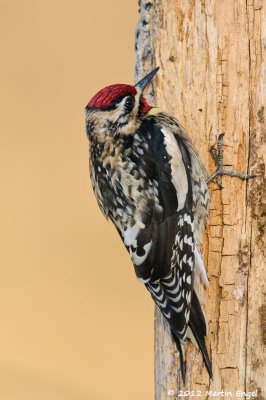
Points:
148	179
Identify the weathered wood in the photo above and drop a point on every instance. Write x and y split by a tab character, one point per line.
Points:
213	79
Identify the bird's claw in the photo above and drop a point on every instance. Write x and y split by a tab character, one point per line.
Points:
217	156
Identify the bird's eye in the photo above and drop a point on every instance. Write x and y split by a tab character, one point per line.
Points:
129	103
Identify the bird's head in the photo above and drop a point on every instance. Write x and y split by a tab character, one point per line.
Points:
117	109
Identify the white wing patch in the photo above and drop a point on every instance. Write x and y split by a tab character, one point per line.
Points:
179	176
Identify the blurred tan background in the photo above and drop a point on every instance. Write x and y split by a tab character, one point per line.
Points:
74	322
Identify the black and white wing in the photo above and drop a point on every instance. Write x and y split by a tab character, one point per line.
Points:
162	247
167	269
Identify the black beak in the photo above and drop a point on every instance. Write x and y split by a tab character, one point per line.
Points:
144	81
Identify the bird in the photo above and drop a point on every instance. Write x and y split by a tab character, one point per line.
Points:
148	180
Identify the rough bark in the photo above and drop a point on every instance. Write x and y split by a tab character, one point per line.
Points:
212	78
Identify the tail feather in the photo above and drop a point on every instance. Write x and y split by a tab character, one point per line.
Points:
197	325
181	355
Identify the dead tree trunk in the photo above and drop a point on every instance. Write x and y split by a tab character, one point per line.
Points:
212	78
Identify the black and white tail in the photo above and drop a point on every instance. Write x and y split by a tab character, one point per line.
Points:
197	334
179	299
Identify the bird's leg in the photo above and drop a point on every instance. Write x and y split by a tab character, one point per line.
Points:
217	156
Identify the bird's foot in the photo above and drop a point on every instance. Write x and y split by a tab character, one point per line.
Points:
217	156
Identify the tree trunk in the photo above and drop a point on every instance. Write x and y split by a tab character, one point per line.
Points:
212	78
